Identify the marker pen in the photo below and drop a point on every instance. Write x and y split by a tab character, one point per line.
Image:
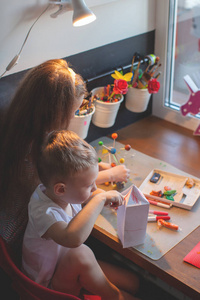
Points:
155	212
156	218
159	203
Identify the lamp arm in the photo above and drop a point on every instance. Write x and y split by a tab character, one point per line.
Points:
64	5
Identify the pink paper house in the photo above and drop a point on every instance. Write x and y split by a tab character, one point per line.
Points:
132	218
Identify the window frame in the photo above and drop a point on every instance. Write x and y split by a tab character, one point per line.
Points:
159	108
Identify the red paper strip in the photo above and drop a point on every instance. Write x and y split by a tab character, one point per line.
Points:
193	257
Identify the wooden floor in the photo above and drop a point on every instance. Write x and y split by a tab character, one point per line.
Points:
166	141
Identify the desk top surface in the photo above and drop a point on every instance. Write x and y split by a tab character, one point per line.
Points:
177	146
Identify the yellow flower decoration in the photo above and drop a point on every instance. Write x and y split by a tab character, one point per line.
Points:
118	75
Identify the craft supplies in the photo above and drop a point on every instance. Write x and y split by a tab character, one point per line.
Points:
86	107
106	107
156	193
167	188
156	218
148	77
171	198
155	212
114	137
157	241
111	151
113	93
133	59
155	177
137	78
162	222
151	59
169	192
127	147
193	257
157	203
108	99
171	189
80	123
189	183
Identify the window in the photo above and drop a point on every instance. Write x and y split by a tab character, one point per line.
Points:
178	45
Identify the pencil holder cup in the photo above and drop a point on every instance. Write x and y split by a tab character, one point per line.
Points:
137	100
105	112
80	124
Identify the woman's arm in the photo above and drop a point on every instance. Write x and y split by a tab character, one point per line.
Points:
116	174
104	166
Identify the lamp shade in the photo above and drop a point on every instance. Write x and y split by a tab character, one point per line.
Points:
82	14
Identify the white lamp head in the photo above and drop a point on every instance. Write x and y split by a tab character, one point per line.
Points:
82	14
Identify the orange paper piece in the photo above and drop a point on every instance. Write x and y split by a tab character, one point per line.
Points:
193	257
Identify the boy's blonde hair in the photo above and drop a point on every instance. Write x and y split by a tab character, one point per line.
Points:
64	154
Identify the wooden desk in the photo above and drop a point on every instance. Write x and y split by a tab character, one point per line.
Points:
177	146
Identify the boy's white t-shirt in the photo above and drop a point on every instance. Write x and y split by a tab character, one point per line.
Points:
40	256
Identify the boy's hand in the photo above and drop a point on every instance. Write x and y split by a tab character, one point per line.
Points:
98	191
114	198
119	173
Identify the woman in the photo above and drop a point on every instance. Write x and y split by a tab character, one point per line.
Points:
46	100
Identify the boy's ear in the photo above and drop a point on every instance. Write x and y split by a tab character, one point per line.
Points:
59	189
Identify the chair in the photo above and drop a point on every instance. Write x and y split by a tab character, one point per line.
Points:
26	288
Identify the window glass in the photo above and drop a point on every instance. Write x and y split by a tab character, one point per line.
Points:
184	57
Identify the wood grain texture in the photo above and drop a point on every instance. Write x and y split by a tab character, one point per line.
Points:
178	147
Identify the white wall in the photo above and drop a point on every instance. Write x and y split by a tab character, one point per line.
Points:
55	38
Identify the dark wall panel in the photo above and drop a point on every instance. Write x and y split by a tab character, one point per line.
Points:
92	64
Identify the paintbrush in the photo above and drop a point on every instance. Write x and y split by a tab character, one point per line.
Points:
132	64
136	73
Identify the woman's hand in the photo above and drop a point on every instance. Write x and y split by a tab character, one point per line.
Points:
116	174
119	173
104	166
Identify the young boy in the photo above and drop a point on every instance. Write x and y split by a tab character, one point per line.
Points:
53	251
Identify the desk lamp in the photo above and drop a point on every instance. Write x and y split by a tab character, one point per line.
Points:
82	14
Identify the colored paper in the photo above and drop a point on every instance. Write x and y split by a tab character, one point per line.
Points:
193	257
